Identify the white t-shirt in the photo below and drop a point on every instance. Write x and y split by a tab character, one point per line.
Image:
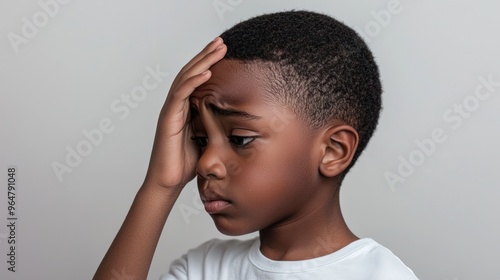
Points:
238	260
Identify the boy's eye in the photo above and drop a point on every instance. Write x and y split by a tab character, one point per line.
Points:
241	141
238	141
201	141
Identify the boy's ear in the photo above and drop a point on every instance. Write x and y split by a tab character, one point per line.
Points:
338	146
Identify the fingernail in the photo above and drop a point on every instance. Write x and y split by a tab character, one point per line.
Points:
216	39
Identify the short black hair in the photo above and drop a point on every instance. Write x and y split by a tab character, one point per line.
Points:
321	69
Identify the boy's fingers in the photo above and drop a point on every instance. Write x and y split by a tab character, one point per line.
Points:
207	50
194	75
204	63
184	89
176	103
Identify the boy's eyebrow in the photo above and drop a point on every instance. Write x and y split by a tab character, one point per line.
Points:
232	112
229	112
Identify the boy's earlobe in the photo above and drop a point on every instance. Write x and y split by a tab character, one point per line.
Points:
339	145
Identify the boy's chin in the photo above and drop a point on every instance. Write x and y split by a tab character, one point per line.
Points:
226	227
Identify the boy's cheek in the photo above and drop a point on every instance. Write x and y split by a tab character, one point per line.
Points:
249	154
233	168
247	158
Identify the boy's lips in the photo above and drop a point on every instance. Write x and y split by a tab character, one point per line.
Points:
215	206
214	203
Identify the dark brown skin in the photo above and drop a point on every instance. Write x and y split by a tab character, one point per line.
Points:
261	169
282	182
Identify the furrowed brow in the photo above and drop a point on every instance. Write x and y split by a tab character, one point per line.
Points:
232	113
194	112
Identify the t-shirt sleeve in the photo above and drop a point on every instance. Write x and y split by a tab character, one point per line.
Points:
193	264
387	266
210	260
178	270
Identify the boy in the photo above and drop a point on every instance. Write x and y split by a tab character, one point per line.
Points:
269	117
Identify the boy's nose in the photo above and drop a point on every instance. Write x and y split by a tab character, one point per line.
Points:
211	162
210	165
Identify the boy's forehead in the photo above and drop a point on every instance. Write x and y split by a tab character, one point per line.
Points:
233	84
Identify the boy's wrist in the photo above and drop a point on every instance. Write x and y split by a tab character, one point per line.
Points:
156	189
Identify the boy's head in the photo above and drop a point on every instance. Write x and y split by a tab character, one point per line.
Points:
281	119
318	68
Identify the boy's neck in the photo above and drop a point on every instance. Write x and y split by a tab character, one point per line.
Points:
320	232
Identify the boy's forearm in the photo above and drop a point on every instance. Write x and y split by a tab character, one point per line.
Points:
133	247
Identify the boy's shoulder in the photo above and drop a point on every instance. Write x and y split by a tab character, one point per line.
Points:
237	259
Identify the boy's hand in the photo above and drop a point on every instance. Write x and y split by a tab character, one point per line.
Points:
172	165
174	156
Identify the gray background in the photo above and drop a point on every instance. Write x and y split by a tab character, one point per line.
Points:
441	218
